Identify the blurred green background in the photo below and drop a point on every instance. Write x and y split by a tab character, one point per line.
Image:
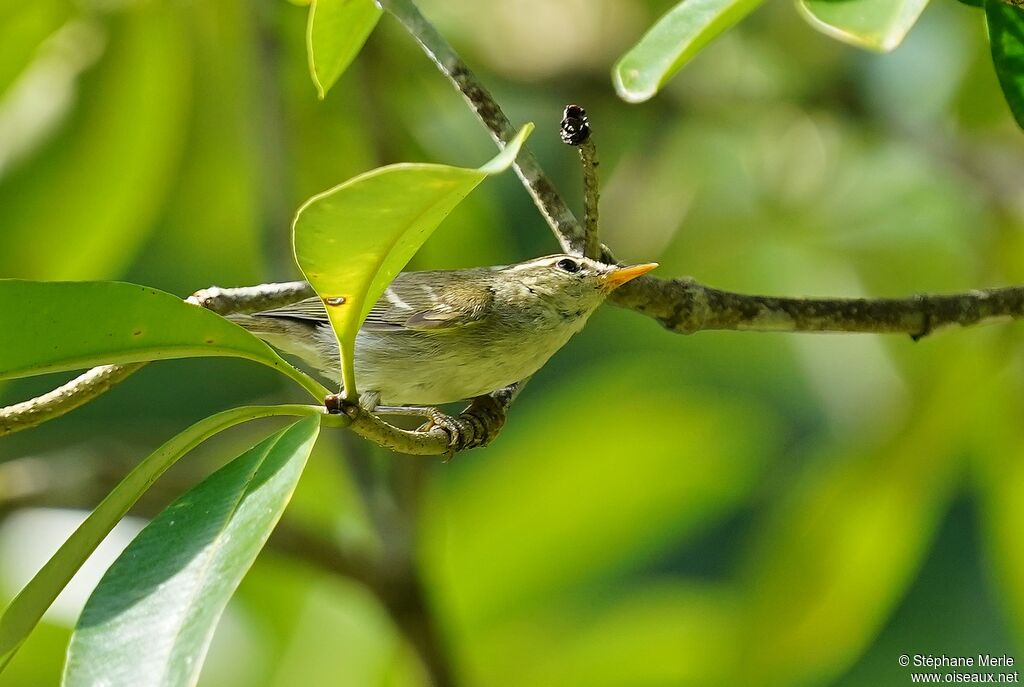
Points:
721	509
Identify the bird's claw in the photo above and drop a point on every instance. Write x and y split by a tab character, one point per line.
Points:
476	426
451	426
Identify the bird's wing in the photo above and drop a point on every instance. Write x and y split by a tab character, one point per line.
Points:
414	305
311	310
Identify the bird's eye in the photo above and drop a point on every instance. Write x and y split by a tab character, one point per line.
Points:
567	265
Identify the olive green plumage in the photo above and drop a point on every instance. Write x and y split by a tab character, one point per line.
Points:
447	335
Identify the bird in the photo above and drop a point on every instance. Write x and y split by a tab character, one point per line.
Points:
441	336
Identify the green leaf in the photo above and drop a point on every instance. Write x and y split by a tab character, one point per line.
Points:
335	34
672	42
1006	34
352	240
878	25
152	616
28	607
73	325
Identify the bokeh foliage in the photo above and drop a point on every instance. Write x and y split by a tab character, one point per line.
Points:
723	509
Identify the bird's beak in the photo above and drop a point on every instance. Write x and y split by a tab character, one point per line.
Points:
621	275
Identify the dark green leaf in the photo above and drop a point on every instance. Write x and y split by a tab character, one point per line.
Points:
73	325
672	42
1006	33
335	34
352	240
878	25
152	616
28	607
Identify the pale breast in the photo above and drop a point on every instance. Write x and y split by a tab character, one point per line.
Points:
431	368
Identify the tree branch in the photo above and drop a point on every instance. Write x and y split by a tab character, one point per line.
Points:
685	306
245	300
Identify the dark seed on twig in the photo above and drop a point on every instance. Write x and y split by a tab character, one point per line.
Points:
575	127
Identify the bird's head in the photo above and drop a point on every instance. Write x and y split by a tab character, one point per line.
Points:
567	282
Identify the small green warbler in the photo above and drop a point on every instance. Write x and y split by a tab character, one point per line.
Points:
448	335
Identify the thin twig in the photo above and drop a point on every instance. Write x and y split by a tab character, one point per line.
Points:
249	299
591	198
575	131
63	399
560	218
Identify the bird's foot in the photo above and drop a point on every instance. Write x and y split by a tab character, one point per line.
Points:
476	426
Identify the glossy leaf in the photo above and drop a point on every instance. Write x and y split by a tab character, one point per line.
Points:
352	240
335	34
28	607
1006	34
879	25
672	42
152	616
73	325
